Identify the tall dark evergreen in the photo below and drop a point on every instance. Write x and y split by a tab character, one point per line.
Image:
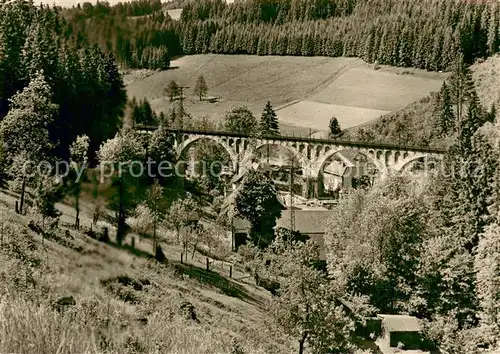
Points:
269	121
201	87
444	111
334	127
172	90
461	86
492	114
142	113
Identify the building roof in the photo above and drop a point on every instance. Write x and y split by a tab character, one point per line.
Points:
240	224
306	221
335	168
400	323
385	348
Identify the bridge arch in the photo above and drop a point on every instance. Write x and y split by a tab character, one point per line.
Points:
299	156
190	141
371	156
429	160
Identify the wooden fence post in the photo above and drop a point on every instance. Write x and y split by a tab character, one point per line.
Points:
181	257
230	271
208	264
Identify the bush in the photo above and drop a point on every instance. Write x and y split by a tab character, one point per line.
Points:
159	255
248	252
103	236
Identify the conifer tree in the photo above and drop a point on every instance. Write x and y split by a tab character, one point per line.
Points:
47	194
487	267
335	131
491	116
461	86
172	90
487	258
269	121
444	111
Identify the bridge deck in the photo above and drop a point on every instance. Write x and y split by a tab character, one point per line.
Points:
347	143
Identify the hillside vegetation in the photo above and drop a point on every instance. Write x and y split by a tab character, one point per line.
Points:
416	123
422	34
69	293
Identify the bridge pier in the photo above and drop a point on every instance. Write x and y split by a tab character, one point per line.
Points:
310	188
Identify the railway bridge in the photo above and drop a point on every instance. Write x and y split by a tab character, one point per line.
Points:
310	155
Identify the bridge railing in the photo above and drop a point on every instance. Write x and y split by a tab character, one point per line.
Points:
293	138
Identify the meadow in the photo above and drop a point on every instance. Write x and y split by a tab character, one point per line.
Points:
306	92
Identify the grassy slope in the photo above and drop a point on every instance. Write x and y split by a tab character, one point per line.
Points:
414	124
113	318
305	91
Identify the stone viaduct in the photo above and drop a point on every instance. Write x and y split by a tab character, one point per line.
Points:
311	155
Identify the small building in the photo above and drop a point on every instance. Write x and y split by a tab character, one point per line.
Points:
308	222
401	330
240	231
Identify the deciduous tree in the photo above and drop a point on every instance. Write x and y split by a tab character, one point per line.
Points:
306	307
181	214
119	153
79	155
257	202
155	205
240	120
24	130
201	87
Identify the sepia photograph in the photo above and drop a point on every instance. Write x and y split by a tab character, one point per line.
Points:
250	177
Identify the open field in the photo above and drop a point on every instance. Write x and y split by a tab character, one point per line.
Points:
306	92
319	113
175	13
418	118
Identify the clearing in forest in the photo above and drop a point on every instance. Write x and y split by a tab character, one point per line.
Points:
305	91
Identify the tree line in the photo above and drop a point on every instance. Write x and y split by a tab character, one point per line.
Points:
407	33
137	41
424	34
84	81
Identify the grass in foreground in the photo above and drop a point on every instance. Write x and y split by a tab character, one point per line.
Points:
72	294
